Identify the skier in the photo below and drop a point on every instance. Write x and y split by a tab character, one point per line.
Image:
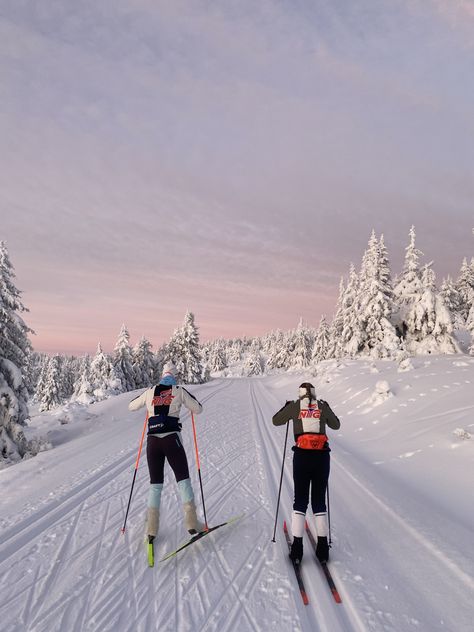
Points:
163	403
310	464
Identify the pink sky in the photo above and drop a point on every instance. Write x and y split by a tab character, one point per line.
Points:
230	159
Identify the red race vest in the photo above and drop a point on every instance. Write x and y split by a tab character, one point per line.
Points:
311	441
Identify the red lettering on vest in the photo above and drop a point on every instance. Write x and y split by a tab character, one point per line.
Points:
163	399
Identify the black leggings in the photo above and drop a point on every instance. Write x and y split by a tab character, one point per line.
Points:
160	448
310	467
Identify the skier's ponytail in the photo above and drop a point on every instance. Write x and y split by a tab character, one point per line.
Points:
307	390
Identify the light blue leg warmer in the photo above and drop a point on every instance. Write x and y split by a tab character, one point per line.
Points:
154	495
186	490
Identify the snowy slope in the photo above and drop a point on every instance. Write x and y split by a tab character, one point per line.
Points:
402	513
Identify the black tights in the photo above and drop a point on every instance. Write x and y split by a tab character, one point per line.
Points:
160	448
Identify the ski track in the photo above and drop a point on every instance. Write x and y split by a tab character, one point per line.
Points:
65	566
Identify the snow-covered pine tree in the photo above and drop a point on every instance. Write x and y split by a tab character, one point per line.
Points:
234	351
276	358
465	287
186	352
217	360
352	336
69	369
302	341
335	328
375	302
429	327
122	362
143	363
470	327
51	395
83	391
452	300
102	375
15	348
321	342
408	288
254	362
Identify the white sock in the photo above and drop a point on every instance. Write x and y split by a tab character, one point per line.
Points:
321	520
297	524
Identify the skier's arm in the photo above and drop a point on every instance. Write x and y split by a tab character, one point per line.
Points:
138	402
190	402
328	415
289	411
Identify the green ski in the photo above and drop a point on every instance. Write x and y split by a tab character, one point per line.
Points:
197	537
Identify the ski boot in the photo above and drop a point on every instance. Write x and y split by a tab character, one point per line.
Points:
191	522
296	553
322	549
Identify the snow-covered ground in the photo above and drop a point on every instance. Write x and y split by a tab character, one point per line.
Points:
402	513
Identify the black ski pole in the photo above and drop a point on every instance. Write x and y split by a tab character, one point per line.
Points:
199	471
281	480
329	514
135	472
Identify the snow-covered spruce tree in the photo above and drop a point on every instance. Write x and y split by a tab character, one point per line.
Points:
321	342
15	348
408	289
234	351
103	380
428	323
375	304
334	349
452	300
352	336
465	287
122	362
50	397
276	358
254	363
301	346
143	363
82	385
470	327
33	370
217	359
186	352
69	368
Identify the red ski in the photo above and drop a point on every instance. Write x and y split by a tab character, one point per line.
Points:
325	568
296	568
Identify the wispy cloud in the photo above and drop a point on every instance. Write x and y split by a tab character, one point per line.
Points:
238	153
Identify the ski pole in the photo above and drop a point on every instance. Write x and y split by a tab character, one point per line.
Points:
135	472
199	471
281	480
329	514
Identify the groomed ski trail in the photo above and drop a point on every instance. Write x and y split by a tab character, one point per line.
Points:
65	566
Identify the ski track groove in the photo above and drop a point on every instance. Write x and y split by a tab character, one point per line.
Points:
56	565
23	533
421	540
86	607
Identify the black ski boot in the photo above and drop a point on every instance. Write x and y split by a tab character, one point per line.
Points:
322	549
296	553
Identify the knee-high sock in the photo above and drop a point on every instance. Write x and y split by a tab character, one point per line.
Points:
321	520
297	524
154	495
186	490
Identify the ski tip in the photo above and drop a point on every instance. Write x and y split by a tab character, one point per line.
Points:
284	525
304	597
